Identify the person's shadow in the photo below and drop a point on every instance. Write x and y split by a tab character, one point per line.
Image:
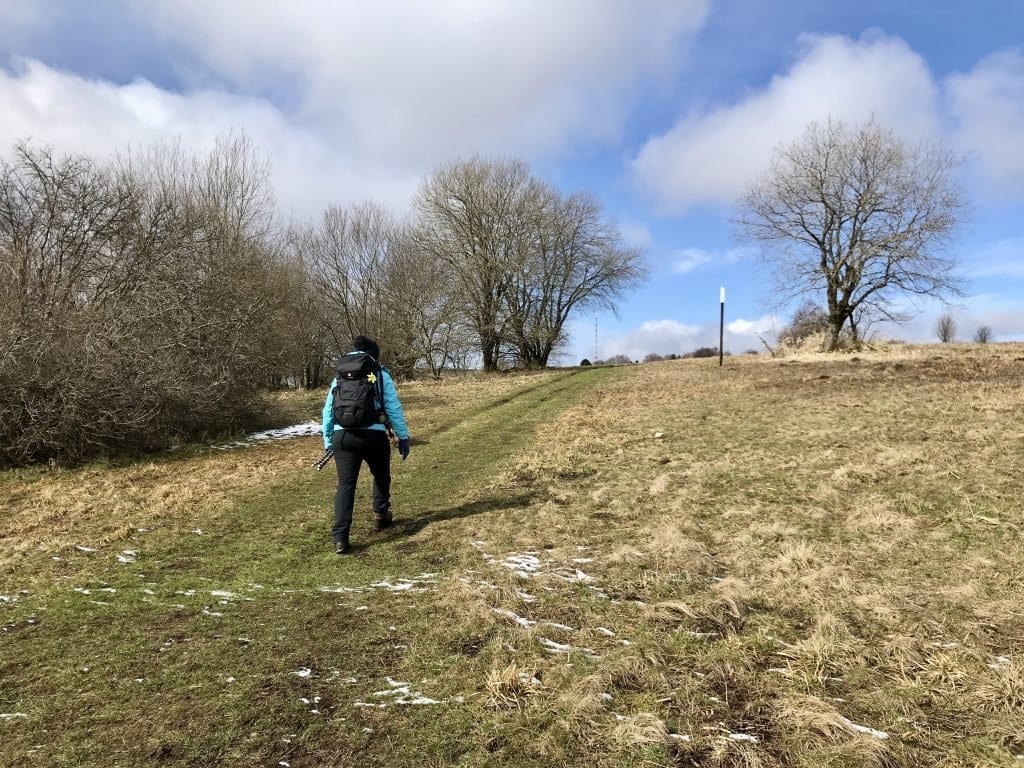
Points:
469	509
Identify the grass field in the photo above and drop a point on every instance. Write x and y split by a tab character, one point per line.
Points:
813	561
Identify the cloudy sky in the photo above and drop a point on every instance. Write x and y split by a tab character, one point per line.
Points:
665	109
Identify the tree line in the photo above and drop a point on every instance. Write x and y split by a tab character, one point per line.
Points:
154	297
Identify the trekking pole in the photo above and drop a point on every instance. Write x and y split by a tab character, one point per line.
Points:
323	460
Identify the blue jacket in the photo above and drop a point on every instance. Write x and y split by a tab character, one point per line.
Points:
391	405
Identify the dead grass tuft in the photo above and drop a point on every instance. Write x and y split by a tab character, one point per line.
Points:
1002	689
512	686
642	728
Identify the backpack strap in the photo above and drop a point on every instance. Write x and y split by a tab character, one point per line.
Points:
383	416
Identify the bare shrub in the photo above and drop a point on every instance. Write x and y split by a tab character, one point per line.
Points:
945	328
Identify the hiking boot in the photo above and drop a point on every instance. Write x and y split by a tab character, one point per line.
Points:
382	520
341	546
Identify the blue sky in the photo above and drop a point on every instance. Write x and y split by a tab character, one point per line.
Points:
665	109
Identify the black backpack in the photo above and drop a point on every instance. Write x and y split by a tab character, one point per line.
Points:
359	383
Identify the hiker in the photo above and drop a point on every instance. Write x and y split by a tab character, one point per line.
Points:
362	408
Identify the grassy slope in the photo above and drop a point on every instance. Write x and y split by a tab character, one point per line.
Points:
779	551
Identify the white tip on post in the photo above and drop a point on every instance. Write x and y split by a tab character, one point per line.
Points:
721	295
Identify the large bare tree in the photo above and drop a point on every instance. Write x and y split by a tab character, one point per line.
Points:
470	218
858	216
571	258
523	256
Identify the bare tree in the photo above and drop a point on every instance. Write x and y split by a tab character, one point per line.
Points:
570	259
945	328
523	257
470	217
859	216
140	299
983	335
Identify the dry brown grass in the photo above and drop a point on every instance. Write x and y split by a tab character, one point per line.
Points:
818	550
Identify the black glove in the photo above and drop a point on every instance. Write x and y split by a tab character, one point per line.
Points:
403	448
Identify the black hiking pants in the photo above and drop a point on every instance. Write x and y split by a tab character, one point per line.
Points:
351	448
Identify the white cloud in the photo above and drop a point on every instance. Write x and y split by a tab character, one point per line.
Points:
663	337
758	327
712	156
376	94
414	83
98	118
688	259
666	337
988	102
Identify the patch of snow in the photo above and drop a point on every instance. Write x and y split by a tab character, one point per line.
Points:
7	598
606	697
514	616
679	736
864	729
999	662
553	647
743	737
308	429
80	548
11	715
128	556
208	612
582	560
605	631
363	608
303	672
523	565
403	695
556	625
223	593
526	597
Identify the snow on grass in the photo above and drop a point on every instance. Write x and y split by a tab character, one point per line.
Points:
743	737
421	583
552	647
403	694
308	429
864	729
11	715
128	556
82	548
514	616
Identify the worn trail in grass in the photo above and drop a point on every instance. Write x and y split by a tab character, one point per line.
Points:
247	641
